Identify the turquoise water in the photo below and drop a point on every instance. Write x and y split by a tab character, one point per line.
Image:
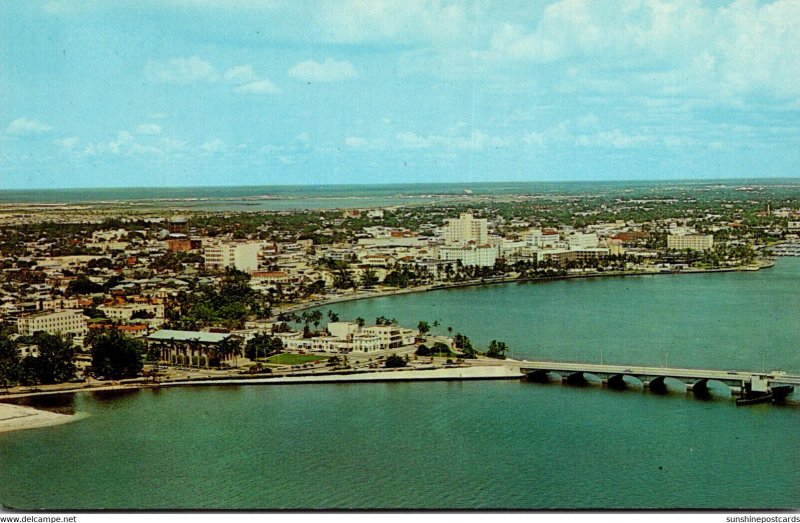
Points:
736	320
459	444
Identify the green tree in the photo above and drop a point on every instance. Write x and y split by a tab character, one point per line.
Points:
116	356
423	327
342	279
368	278
83	285
262	345
464	344
440	348
423	350
9	362
230	346
315	317
395	361
55	363
497	349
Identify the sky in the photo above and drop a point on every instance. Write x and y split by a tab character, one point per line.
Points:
142	93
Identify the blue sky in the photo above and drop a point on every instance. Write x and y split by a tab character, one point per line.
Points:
243	92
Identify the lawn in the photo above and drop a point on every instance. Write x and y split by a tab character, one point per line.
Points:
294	359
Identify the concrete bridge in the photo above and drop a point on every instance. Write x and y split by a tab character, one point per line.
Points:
655	378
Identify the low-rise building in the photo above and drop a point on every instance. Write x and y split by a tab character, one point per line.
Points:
67	321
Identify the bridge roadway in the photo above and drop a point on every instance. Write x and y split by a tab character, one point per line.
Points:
655	375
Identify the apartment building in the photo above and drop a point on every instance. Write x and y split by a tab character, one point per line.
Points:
466	228
67	321
694	242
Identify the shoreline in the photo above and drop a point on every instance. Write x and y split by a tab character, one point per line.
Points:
759	265
17	417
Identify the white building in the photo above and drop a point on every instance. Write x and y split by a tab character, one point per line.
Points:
350	337
694	242
580	240
470	255
67	321
391	336
242	256
543	238
343	329
466	228
125	312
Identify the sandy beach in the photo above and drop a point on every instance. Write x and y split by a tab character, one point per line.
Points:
16	417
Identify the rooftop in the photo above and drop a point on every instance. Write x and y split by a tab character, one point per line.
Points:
204	337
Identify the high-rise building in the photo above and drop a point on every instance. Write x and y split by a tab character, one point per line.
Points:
466	228
694	242
242	256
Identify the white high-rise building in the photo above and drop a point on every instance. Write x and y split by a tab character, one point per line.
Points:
464	229
693	242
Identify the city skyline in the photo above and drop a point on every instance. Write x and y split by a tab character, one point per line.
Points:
216	93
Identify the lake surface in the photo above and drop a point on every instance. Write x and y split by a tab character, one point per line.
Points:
460	445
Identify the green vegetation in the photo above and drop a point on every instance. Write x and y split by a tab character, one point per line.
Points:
288	358
114	355
394	361
261	346
229	303
9	362
464	344
497	349
438	350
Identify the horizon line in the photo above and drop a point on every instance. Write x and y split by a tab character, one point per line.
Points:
389	184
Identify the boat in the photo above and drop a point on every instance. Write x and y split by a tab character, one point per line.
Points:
776	394
754	398
779	392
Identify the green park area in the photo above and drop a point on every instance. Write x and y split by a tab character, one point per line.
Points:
294	359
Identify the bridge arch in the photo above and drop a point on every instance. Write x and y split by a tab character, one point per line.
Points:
539	376
576	378
708	388
582	379
624	381
665	385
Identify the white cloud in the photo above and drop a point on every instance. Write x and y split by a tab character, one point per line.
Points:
144	150
157	116
400	20
124	138
356	142
743	48
240	74
180	71
23	126
258	87
67	143
329	71
212	146
149	129
477	140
